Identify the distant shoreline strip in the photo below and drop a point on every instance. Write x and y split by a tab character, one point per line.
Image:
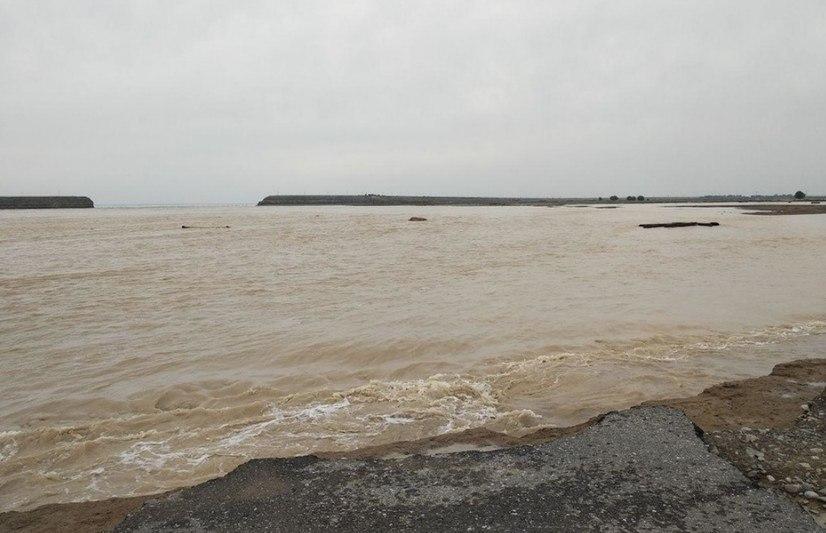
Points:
382	200
46	202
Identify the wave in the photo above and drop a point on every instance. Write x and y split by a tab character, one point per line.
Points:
180	435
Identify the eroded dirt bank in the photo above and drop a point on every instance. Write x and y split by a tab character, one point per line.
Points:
642	467
772	428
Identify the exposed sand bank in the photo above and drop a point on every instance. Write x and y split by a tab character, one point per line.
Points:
767	427
797	208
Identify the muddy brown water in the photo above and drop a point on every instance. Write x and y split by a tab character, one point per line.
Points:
138	357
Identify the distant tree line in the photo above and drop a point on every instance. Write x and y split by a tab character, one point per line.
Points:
630	198
799	195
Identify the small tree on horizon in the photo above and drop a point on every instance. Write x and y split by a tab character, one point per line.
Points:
614	198
631	198
800	195
640	198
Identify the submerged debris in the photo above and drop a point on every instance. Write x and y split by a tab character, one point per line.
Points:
680	225
204	227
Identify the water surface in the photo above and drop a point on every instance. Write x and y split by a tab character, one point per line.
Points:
138	356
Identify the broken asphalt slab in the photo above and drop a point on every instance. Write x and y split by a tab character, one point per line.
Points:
642	469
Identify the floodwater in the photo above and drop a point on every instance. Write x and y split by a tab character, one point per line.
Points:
137	356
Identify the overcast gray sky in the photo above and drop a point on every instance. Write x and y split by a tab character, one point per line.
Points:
188	102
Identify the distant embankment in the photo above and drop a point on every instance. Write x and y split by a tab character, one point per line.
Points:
380	199
376	199
45	202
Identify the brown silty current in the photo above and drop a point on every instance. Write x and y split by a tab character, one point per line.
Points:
139	356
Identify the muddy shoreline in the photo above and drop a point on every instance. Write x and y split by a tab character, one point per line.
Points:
767	427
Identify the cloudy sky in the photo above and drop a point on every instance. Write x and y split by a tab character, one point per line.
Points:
191	102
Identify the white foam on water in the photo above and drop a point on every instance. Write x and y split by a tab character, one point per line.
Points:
397	419
319	411
158	455
8	450
249	432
